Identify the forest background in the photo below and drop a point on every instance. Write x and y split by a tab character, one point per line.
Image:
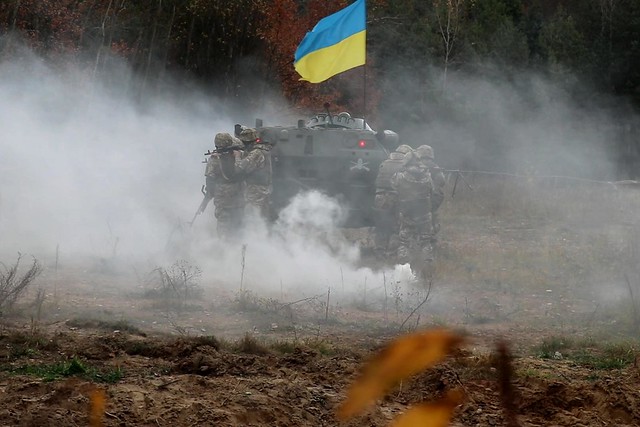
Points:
421	56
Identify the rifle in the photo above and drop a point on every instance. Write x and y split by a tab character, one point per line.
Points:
203	205
223	150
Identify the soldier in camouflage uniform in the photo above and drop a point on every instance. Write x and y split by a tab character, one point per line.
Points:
414	187
226	187
439	181
255	169
385	204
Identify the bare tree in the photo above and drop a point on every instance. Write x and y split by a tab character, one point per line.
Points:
606	19
449	16
14	18
606	28
154	30
12	285
103	32
15	15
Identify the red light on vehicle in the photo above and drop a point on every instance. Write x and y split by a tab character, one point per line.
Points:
362	143
258	140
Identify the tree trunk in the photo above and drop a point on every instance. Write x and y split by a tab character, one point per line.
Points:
154	30
15	15
104	35
14	19
189	41
167	44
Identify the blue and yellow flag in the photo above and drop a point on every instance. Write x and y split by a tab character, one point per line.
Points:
337	43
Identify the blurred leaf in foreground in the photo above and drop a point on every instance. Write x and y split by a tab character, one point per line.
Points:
431	414
98	407
400	359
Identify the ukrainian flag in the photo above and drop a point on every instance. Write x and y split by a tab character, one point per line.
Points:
337	43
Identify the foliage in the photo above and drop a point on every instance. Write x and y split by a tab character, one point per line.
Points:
285	25
250	345
615	356
561	41
70	368
221	44
553	344
399	360
51	27
27	345
219	41
588	353
98	401
411	354
435	414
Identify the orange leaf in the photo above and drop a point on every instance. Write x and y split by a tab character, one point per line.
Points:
98	407
402	358
432	414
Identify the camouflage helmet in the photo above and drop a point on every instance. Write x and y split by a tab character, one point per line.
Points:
411	158
248	135
223	140
404	149
425	152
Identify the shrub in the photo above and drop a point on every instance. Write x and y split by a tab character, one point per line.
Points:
13	285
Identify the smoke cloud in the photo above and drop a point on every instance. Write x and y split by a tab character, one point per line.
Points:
82	167
94	173
89	168
526	123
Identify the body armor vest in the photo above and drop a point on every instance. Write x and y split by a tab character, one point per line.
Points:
414	192
261	176
387	169
222	168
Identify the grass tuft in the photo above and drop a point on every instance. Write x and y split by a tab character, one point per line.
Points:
71	368
553	344
121	325
250	345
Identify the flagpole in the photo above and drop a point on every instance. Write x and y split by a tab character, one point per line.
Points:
364	96
364	77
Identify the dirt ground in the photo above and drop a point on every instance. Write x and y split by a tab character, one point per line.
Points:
291	367
221	357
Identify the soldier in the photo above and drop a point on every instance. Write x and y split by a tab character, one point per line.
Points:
225	186
439	181
414	187
385	204
255	169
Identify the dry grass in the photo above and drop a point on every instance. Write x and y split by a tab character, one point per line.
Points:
537	233
13	284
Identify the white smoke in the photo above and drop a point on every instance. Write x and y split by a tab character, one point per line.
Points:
87	172
528	123
303	252
84	169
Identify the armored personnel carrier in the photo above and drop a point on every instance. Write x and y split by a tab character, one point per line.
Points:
334	153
